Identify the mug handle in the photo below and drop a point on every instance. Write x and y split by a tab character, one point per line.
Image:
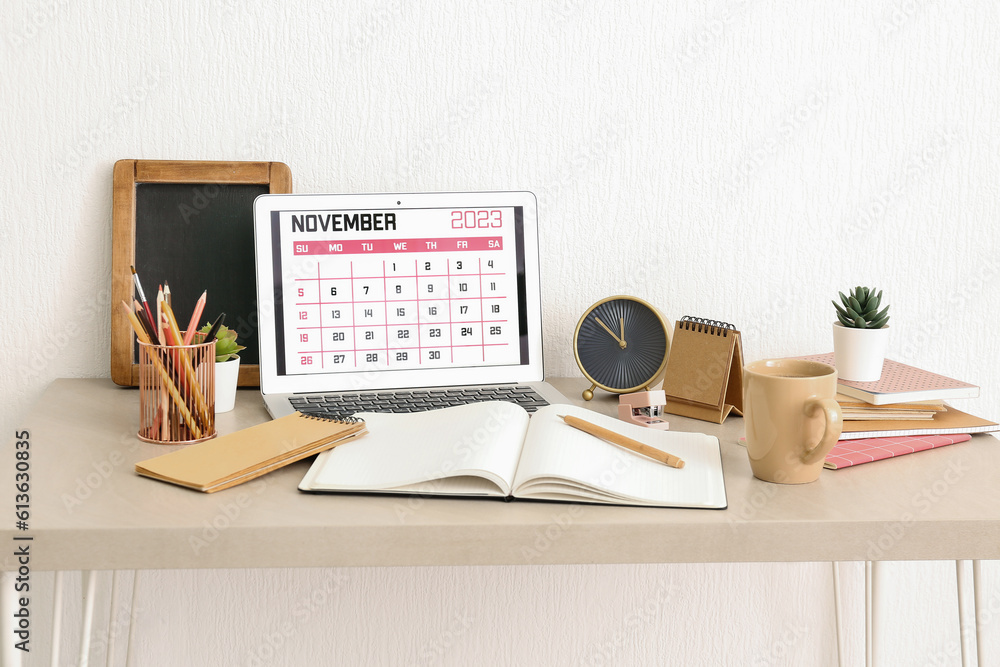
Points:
833	417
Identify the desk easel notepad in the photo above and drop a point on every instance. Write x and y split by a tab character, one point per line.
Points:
704	376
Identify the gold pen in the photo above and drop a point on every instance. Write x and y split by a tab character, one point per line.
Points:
623	441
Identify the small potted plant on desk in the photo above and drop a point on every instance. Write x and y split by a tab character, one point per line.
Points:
227	367
860	336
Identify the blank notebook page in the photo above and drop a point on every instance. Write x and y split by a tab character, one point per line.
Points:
555	449
408	449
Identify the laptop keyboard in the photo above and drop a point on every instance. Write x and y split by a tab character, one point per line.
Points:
416	400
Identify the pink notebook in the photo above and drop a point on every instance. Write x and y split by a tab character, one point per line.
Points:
901	383
848	453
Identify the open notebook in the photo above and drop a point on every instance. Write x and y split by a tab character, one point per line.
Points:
494	449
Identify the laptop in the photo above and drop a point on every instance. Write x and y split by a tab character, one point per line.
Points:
398	302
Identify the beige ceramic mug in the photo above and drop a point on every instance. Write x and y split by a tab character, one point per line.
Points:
792	418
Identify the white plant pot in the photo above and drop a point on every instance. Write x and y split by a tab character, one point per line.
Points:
226	375
859	353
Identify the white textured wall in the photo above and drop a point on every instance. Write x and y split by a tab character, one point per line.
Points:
740	160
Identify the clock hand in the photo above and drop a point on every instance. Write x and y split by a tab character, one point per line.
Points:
621	322
621	343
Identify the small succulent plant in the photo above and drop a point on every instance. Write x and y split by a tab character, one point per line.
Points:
226	347
860	309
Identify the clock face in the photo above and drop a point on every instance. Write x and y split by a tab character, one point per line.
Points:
621	344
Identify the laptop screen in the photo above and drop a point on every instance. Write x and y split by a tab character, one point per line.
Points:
397	290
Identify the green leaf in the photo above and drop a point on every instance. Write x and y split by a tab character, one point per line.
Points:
879	321
226	347
847	303
849	323
860	322
840	311
873	302
856	305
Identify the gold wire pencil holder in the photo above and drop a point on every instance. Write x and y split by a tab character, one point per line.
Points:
176	393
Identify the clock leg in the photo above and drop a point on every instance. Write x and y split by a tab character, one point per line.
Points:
589	393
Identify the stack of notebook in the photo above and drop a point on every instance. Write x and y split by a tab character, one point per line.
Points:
902	412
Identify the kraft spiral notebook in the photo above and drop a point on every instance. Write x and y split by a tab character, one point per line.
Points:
247	454
704	375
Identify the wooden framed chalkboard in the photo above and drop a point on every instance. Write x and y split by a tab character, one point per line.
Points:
189	223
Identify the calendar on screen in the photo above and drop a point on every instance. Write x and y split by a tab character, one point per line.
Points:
369	290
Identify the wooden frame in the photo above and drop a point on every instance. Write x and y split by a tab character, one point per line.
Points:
129	173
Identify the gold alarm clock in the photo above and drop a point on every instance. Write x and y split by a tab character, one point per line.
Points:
621	344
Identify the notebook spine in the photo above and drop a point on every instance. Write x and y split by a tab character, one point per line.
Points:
701	325
330	417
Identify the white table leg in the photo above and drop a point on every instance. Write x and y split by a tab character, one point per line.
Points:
112	626
129	657
8	606
57	609
837	612
977	601
90	592
962	621
870	626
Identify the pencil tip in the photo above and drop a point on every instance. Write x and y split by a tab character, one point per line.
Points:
133	268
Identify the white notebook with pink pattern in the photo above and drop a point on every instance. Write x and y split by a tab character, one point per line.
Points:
901	383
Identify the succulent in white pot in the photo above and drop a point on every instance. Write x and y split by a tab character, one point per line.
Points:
227	367
860	335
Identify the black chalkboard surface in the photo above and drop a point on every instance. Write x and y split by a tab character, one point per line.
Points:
189	224
202	239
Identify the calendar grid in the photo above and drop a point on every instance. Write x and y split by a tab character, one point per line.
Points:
452	300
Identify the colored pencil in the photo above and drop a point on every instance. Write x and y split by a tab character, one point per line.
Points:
142	295
146	324
170	325
192	327
160	329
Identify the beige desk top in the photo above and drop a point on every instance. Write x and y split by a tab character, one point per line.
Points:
89	510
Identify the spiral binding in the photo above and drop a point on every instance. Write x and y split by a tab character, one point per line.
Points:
329	417
715	327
